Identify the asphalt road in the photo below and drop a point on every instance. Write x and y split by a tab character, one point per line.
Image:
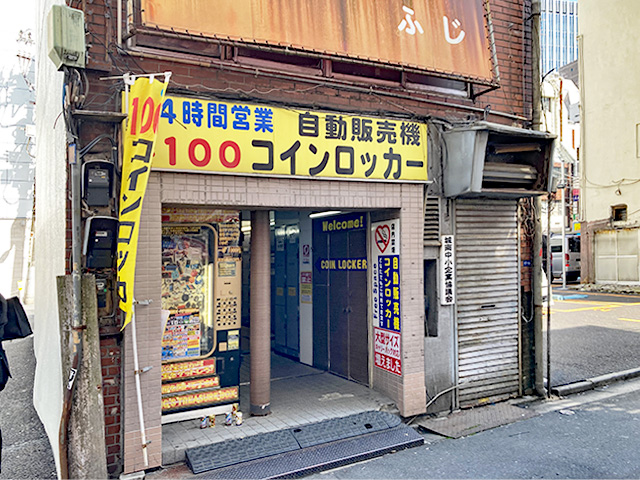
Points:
592	435
26	451
592	334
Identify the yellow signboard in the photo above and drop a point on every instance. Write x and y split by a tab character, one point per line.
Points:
144	107
197	135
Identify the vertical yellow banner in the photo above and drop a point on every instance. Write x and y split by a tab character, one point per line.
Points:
144	106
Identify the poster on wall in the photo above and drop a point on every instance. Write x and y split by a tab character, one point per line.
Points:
387	323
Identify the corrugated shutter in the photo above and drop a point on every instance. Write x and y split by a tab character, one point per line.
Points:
487	300
431	221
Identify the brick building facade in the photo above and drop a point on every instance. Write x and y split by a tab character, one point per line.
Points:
209	69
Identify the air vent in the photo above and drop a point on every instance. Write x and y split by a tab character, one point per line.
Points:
432	221
508	175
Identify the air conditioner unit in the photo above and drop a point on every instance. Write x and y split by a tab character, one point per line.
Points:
66	37
490	159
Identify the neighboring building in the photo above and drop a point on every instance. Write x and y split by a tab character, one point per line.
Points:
561	116
610	146
364	191
558	33
17	151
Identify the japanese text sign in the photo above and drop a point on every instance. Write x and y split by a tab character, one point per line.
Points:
449	36
144	107
241	139
447	271
387	324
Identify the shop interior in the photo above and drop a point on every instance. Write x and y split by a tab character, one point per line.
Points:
319	326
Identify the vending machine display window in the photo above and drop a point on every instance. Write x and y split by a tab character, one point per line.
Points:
200	351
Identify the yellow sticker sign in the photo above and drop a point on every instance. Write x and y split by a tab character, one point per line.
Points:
144	107
199	399
197	135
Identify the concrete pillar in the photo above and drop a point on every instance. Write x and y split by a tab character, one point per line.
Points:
260	314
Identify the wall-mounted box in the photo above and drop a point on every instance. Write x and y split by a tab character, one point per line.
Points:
66	37
490	159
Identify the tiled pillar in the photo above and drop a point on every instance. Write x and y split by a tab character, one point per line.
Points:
260	314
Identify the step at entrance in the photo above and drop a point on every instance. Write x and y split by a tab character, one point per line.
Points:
301	450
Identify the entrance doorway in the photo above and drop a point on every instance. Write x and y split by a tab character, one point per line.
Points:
340	296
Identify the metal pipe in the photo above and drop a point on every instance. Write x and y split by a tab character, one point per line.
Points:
549	296
538	339
136	374
519	208
119	40
538	336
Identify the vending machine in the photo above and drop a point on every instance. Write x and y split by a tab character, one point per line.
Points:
201	311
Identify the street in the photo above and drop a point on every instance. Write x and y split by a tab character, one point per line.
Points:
26	452
592	334
589	435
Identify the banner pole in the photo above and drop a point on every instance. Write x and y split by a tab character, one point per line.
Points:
136	373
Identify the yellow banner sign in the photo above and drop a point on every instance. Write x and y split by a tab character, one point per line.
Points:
144	107
235	138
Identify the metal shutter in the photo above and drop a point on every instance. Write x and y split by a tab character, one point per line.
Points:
487	300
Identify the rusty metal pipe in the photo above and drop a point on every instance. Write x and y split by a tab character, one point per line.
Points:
260	314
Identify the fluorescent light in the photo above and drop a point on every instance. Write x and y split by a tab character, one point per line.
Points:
328	213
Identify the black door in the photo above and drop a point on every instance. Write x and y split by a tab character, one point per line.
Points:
340	302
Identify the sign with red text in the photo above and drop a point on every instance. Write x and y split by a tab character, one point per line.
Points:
207	136
145	99
387	318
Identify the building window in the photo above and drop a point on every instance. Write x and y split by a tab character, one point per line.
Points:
619	213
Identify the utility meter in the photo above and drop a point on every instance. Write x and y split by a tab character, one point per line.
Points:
97	182
100	241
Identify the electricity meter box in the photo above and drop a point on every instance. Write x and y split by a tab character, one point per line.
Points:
66	37
97	182
201	291
100	241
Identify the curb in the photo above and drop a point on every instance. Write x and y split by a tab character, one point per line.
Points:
594	382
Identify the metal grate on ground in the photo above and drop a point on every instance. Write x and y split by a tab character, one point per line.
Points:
473	420
304	449
318	397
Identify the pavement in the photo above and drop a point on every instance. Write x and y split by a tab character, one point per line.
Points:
26	451
589	435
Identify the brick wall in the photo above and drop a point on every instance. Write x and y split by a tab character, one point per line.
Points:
110	354
512	34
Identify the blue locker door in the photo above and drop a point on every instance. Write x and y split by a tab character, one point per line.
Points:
293	293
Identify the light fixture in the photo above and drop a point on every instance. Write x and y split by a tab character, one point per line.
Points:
328	213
